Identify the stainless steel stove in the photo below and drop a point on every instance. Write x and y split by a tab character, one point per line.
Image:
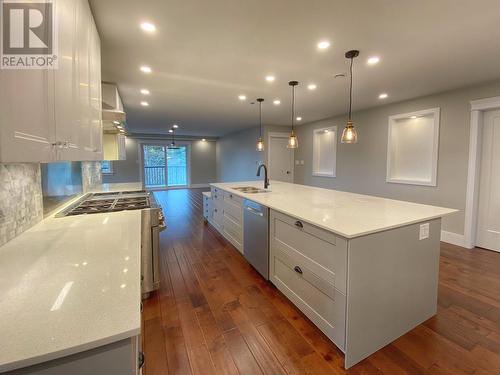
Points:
152	223
95	203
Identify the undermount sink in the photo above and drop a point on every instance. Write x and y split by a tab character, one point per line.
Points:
250	189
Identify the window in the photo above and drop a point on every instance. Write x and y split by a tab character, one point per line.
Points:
412	150
106	167
325	152
164	166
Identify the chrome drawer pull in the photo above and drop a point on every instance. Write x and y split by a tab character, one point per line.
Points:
299	224
297	269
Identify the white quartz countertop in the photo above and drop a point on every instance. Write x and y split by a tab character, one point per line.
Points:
347	214
70	284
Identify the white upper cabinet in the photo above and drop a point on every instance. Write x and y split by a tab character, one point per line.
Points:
66	93
96	128
51	115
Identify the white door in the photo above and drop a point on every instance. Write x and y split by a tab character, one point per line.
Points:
488	226
280	159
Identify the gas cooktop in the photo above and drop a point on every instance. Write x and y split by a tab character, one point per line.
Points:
95	203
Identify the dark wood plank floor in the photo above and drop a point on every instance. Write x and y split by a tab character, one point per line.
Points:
215	315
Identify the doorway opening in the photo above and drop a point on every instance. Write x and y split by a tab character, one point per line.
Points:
280	158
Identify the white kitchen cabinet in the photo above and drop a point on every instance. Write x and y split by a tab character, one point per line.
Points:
207	205
309	266
114	147
96	127
227	216
27	128
65	90
49	115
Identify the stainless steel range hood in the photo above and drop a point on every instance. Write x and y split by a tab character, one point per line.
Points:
112	106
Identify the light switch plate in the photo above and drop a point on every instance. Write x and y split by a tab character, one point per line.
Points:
302	162
424	231
297	162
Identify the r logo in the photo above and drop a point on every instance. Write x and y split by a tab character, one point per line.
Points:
27	28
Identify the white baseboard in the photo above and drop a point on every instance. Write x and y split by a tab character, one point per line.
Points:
199	186
453	238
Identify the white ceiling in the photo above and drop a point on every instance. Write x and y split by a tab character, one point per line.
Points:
207	52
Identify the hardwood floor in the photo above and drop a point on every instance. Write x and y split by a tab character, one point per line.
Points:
215	315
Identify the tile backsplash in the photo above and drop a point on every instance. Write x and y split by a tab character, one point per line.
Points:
91	175
21	204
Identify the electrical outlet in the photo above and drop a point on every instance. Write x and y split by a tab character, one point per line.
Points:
424	231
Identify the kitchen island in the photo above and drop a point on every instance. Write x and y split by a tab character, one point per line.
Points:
363	269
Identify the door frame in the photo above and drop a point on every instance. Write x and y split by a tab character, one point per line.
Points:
164	143
478	107
279	135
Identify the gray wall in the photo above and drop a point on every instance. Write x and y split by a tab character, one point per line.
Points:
203	162
361	167
237	158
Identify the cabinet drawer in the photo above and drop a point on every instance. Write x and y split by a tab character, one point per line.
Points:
234	211
233	228
218	216
314	295
321	251
216	194
233	198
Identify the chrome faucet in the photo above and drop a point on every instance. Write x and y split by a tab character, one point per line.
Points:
266	180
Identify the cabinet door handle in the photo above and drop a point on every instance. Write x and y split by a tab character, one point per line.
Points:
299	224
297	269
215	210
230	195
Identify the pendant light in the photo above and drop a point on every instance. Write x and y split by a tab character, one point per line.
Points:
260	142
350	135
292	139
172	146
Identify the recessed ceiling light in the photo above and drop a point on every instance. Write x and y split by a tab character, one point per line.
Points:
148	27
242	97
145	92
270	78
373	60
116	122
175	126
277	102
312	86
145	69
383	96
299	118
203	140
413	117
119	127
144	104
324	44
170	131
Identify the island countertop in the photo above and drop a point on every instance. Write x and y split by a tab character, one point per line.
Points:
70	284
346	214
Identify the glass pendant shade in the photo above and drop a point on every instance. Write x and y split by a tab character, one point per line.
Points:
349	135
260	145
293	142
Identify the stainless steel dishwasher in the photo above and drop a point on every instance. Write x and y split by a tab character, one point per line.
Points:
256	236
